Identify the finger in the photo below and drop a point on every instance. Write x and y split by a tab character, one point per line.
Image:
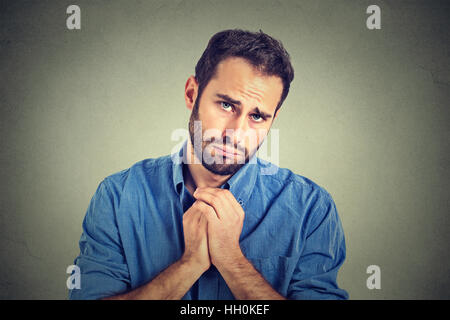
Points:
195	212
233	202
229	202
205	209
209	195
216	199
203	223
208	213
235	207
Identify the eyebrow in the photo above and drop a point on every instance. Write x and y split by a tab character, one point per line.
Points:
232	101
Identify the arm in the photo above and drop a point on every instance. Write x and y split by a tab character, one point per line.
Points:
323	253
104	270
225	220
102	261
177	279
171	284
245	282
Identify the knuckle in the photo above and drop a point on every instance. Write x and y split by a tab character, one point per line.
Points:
215	201
201	206
211	210
197	204
218	196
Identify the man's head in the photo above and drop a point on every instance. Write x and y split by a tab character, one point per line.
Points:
240	84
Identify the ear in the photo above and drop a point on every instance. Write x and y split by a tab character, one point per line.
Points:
190	92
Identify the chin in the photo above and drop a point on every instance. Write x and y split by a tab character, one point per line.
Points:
223	169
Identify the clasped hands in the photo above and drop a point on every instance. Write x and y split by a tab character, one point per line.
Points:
212	227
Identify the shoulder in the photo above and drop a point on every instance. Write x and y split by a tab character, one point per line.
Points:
139	172
285	180
303	196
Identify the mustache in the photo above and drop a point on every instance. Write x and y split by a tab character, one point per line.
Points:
227	144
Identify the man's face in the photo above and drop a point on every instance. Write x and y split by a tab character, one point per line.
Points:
233	115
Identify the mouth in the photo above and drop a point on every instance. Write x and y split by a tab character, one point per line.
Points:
228	152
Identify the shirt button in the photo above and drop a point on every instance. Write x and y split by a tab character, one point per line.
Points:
240	202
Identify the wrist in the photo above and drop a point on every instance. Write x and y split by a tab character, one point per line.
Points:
230	261
194	264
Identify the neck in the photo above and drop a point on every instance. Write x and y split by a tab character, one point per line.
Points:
197	176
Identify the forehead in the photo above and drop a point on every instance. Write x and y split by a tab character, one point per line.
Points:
240	80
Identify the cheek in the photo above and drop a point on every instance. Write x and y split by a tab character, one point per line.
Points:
211	118
254	137
213	125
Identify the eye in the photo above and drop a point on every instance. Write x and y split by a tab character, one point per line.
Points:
226	106
257	117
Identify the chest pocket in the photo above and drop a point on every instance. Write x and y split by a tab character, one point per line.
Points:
277	270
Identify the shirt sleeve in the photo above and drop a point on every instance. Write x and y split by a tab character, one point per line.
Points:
324	252
103	268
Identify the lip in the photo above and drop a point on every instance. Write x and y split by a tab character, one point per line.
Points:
227	152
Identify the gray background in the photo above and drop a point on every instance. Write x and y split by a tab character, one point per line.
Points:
367	118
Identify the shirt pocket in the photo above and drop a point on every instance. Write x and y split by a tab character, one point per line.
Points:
277	270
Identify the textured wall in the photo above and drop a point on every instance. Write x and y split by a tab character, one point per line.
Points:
367	118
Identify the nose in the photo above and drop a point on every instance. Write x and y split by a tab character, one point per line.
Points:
236	130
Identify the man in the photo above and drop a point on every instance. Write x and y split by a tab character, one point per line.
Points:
207	222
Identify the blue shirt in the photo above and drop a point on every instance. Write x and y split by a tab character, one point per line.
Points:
133	230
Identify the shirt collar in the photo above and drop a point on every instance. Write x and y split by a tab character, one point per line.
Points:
177	168
241	184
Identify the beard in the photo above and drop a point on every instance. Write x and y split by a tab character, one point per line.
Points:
221	164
